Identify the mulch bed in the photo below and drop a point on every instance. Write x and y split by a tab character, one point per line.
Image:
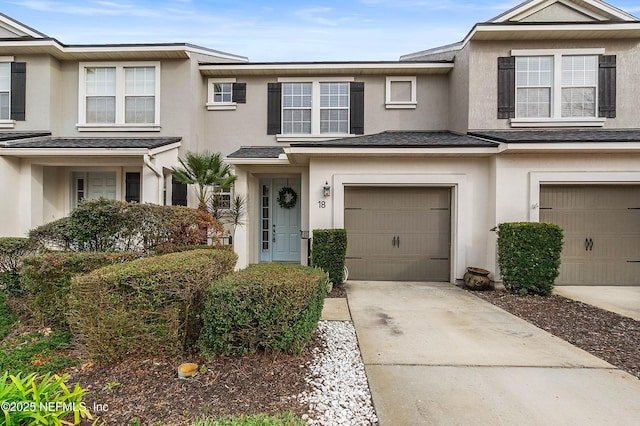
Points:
150	391
338	291
607	335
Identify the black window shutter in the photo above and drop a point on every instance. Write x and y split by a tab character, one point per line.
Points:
356	108
178	193
18	90
240	93
507	87
132	187
274	109
607	86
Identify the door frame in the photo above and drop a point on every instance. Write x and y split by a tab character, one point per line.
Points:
272	200
461	220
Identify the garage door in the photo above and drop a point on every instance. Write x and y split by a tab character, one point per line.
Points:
398	233
601	232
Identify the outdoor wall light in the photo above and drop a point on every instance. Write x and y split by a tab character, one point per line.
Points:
327	189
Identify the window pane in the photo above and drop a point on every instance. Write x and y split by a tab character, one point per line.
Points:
100	81
5	113
222	92
534	71
400	91
533	102
296	121
334	121
579	70
334	95
140	109
5	77
101	109
578	102
296	95
140	81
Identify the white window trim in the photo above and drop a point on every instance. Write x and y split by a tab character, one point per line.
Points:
412	104
211	104
315	109
120	124
8	124
556	120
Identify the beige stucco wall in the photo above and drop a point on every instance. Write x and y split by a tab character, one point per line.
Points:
459	92
10	195
227	131
483	78
515	174
40	85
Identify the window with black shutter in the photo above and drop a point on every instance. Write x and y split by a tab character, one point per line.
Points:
178	193
132	187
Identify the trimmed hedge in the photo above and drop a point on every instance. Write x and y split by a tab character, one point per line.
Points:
268	306
148	306
529	256
329	252
12	250
46	279
110	225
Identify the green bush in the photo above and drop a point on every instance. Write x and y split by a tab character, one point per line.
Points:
12	250
529	256
329	251
7	317
37	352
268	306
46	279
41	400
148	306
110	225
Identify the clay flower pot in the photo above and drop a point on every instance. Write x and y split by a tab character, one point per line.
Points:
477	279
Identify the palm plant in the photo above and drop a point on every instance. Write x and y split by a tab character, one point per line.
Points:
204	169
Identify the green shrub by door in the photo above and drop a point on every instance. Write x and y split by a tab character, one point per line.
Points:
529	256
329	251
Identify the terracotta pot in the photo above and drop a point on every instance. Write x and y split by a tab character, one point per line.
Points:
477	279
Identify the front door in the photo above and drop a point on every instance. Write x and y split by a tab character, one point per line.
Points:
280	220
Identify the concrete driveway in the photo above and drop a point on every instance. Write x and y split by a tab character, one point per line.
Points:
436	355
621	300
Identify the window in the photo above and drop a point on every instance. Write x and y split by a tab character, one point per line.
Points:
5	91
315	108
401	93
573	87
225	94
119	96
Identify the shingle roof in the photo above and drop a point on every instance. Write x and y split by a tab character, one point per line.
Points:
558	136
147	143
12	136
257	152
404	139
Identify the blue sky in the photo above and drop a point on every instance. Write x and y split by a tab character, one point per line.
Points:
276	30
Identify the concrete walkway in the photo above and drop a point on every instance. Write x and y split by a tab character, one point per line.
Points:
621	300
436	355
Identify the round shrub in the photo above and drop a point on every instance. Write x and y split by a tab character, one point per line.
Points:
149	306
269	306
46	279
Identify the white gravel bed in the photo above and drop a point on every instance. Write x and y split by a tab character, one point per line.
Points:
340	394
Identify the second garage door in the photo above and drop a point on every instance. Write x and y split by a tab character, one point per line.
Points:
398	234
601	226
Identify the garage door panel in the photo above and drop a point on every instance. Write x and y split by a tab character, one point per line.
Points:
606	217
376	218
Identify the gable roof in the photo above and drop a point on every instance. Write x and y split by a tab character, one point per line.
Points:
88	143
17	28
537	19
596	9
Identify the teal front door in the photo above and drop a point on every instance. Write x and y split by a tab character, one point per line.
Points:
280	220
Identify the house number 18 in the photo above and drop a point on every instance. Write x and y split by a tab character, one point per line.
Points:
322	204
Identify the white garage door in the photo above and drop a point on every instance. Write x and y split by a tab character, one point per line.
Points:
601	226
398	234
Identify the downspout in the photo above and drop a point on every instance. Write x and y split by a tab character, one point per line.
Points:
158	172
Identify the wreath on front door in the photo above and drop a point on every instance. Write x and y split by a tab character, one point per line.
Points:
287	198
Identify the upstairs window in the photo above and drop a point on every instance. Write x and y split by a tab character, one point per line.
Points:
123	95
572	87
5	91
225	94
12	91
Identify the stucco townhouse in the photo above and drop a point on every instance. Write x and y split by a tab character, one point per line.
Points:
531	117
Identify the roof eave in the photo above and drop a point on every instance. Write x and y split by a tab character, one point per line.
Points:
569	147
